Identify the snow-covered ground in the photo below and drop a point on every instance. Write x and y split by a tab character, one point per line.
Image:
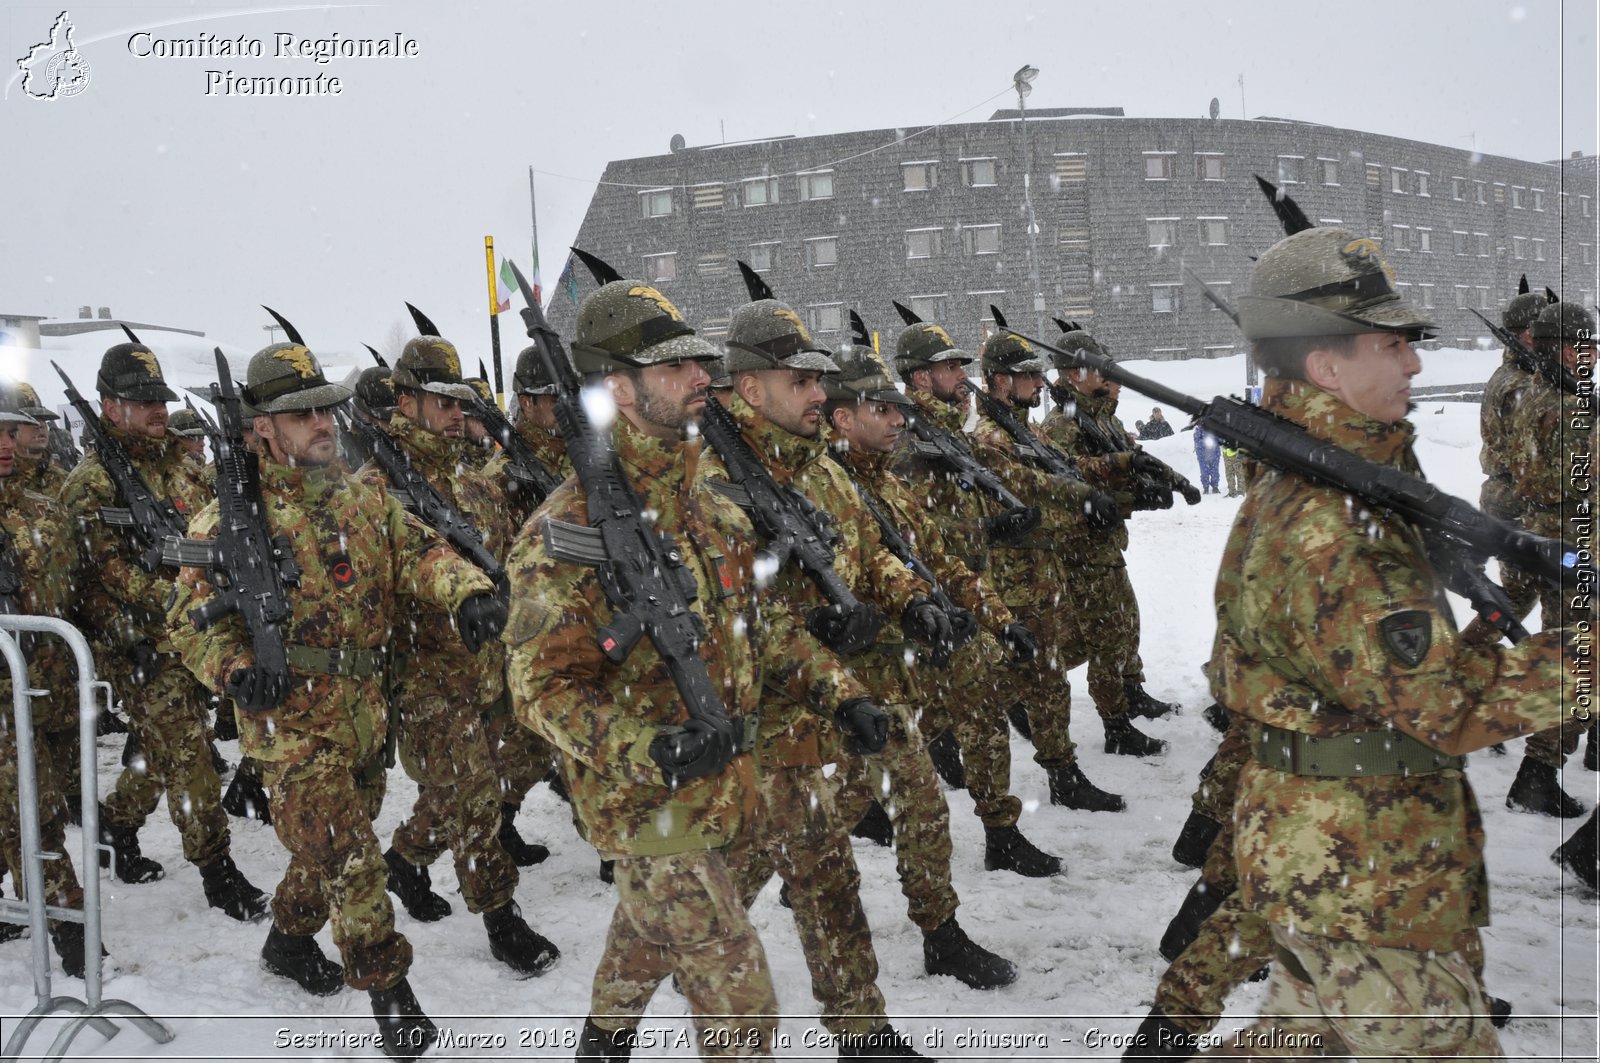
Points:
1085	942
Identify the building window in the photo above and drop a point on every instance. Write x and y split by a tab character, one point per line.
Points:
1400	238
1397	181
1214	232
1374	177
1484	301
763	256
828	317
1158	167
657	202
1330	171
1166	298
1422	183
1463	297
1071	168
981	239
1460	243
1427	295
1583	206
1223	289
1482	240
919	176
1424	238
979	173
1480	193
1586	254
661	267
1519	247
822	251
1538	250
928	307
1519	198
1163	232
817	185
759	191
924	243
1538	198
1208	167
1289	167
1458	188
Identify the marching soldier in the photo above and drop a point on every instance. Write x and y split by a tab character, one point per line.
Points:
1358	838
41	471
166	707
653	788
320	737
185	424
443	689
480	448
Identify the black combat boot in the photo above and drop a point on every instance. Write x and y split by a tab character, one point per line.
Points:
608	871
1158	1037
1536	789
68	940
228	889
109	723
132	866
1195	839
516	944
1018	715
1217	717
945	752
1580	853
226	727
415	889
1005	849
299	958
246	798
218	761
875	826
407	1032
522	853
948	950
604	1046
133	751
1499	1011
558	785
883	1043
1591	750
11	931
1140	703
1070	788
1124	739
1197	907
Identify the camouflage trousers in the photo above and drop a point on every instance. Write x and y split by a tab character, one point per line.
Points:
322	811
902	779
1349	998
798	835
680	915
1042	686
169	716
1106	622
444	748
521	758
1219	779
965	698
61	885
1233	469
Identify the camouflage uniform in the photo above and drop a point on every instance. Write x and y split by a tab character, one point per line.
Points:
169	712
40	471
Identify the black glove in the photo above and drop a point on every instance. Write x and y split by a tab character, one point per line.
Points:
1100	511
1191	494
480	618
963	626
255	689
1012	524
1147	463
1020	641
926	622
845	631
865	726
146	661
1151	494
696	750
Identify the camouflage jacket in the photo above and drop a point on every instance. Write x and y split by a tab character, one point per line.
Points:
959	512
1330	621
550	449
131	604
431	660
362	558
45	552
1549	452
1023	568
603	716
1105	472
476	456
788	732
1502	397
44	476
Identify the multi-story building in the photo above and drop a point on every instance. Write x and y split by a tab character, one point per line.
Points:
1127	215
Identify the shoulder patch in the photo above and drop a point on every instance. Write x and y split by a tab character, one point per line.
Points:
1407	636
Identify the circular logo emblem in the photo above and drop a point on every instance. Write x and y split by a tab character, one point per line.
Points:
67	74
343	573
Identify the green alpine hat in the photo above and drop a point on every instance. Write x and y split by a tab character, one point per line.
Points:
430	363
482	389
28	401
186	423
530	377
130	371
1521	311
628	323
374	394
287	378
1326	282
11	406
1006	352
768	334
924	344
1564	321
862	377
1071	343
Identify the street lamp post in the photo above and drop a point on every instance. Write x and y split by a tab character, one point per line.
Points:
1023	79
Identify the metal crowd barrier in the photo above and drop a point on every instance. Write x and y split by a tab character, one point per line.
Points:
35	913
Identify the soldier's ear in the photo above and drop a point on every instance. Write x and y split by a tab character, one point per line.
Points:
750	388
623	393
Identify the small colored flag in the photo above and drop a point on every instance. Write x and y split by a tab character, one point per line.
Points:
508	283
569	280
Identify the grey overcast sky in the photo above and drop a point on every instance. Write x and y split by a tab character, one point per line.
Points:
145	194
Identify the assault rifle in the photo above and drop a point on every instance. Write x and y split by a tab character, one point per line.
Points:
523	465
1151	475
1459	538
1028	446
1549	368
794	529
250	566
158	529
641	571
419	496
61	447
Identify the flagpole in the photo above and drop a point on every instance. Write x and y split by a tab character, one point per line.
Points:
533	223
494	319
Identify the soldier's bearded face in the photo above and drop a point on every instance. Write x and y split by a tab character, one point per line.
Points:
874	426
1026	388
670	396
1374	378
949	380
540	409
303	439
32	440
8	449
440	414
792	399
147	419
